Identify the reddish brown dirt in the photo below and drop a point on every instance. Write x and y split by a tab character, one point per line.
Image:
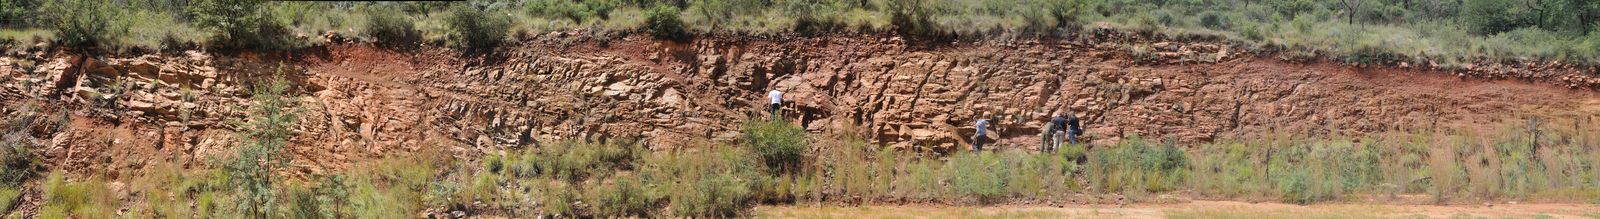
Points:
364	102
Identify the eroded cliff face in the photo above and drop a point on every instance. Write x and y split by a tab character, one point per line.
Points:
365	102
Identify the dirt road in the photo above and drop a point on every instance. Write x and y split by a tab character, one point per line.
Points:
1195	209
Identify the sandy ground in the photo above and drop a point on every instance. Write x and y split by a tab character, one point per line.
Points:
1195	209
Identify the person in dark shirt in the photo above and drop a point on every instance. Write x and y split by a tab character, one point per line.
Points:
1054	132
1074	128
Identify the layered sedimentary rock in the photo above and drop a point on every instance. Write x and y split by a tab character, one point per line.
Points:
360	101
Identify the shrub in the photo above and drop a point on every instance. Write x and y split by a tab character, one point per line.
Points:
332	196
8	197
624	196
716	182
717	195
912	18
577	11
391	27
240	23
576	161
1138	165
88	199
251	172
1215	20
17	158
780	145
663	22
473	28
980	175
83	22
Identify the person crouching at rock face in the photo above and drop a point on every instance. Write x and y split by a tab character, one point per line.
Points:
981	133
776	98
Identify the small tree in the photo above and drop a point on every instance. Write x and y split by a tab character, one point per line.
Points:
251	171
664	23
471	27
389	26
780	145
82	22
241	23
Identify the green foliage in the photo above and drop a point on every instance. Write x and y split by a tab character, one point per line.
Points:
576	11
577	161
88	199
18	10
475	28
663	22
83	22
912	18
332	197
8	197
252	170
781	145
17	158
1138	165
980	175
624	196
240	23
392	27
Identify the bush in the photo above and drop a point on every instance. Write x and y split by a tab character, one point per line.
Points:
577	11
980	175
912	18
83	22
1215	20
473	28
718	195
1137	165
17	159
8	197
624	196
716	182
780	145
391	27
89	199
663	22
240	23
576	161
252	170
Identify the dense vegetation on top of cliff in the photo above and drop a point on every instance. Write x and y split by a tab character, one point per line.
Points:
1449	32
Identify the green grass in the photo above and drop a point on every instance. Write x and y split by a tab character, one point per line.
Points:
27	37
86	199
1329	213
8	196
621	178
1448	34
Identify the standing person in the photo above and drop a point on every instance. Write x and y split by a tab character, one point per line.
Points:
1074	128
777	103
982	134
1058	129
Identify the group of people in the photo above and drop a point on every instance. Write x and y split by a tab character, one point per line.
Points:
1063	127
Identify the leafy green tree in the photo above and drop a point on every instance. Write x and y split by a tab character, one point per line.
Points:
473	27
251	171
780	145
83	22
663	22
239	23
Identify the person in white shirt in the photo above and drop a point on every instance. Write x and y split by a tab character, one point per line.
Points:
982	133
777	103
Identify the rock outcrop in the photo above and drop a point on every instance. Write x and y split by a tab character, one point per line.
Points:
363	102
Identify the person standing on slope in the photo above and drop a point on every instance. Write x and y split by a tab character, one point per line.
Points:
777	103
1054	132
1074	128
981	135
